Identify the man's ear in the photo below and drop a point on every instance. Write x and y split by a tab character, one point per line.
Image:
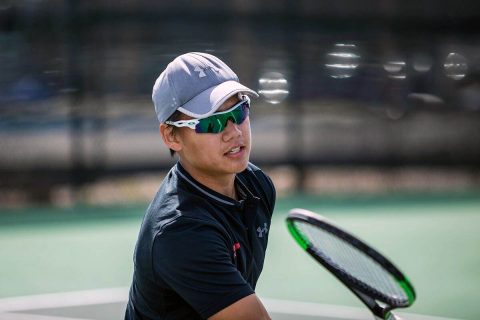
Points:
170	138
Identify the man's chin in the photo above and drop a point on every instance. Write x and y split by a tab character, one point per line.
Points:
243	166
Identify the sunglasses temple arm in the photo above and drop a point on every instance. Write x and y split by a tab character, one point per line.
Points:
183	123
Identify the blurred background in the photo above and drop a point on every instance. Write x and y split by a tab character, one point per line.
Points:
361	102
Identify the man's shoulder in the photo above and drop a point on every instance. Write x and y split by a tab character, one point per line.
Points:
173	213
186	219
173	199
173	224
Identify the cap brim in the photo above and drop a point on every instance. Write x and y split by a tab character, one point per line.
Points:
208	101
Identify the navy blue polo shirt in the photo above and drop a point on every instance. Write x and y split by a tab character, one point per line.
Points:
199	251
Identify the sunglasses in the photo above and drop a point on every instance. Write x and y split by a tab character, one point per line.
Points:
217	122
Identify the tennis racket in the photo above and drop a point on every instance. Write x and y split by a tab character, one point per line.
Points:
366	272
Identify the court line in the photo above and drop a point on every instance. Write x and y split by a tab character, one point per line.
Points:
332	311
26	316
315	309
120	295
64	299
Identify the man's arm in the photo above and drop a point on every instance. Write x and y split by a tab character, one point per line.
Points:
248	308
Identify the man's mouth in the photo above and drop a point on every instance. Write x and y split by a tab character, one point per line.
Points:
234	150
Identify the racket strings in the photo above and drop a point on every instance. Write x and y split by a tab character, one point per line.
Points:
344	256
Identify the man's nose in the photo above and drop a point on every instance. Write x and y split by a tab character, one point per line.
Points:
232	129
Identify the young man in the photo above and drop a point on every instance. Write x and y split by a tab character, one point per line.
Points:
202	243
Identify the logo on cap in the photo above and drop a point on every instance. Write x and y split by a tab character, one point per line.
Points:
201	70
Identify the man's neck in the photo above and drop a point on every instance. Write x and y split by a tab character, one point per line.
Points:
223	184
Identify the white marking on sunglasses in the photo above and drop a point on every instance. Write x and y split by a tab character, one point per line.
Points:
192	123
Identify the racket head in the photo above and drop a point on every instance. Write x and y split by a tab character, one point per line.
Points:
359	266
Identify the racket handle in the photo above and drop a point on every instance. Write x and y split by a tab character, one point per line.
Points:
388	316
392	316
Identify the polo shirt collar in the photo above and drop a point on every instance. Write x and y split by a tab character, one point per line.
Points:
213	195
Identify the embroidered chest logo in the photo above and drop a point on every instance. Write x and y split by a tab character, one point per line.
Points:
262	231
201	70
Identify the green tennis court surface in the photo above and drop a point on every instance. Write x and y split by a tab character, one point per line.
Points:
433	239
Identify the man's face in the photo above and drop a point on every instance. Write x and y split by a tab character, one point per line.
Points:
216	154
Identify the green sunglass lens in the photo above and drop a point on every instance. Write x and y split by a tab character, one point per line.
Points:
208	125
217	123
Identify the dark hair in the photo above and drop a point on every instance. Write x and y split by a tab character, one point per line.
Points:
174	117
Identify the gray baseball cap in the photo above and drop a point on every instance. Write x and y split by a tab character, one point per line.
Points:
196	84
